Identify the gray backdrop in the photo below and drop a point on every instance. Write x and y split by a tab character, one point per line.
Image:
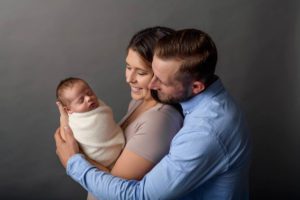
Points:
42	42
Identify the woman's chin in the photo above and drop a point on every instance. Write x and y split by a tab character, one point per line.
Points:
136	96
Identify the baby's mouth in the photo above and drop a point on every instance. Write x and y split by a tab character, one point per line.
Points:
92	105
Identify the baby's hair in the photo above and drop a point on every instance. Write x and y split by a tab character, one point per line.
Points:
64	84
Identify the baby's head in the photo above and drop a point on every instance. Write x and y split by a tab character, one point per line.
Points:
76	95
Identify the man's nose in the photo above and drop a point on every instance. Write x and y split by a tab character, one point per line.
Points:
152	85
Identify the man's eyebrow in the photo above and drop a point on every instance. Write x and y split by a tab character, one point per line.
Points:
159	79
165	82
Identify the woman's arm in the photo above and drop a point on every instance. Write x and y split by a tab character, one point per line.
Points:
128	166
148	138
131	166
96	164
152	134
63	119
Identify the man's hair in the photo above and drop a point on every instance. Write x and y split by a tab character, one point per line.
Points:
196	51
65	84
144	41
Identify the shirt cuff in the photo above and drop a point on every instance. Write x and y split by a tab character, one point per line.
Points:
77	166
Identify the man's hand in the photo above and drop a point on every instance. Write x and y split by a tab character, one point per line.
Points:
65	148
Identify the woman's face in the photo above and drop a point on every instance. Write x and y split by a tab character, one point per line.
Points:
138	76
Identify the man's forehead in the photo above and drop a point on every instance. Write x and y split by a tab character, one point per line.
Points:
165	66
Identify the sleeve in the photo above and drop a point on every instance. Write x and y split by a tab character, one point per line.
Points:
182	170
154	132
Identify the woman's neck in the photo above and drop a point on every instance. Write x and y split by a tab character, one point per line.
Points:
143	107
148	103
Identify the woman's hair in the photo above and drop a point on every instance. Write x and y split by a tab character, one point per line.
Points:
144	41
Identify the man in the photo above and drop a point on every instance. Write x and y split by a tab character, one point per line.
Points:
209	156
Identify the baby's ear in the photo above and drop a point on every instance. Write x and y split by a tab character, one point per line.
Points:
68	110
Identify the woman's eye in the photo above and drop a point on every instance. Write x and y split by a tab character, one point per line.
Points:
142	73
128	67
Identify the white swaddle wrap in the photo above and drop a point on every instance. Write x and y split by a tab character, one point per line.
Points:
99	136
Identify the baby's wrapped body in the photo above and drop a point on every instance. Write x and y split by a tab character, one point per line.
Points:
98	135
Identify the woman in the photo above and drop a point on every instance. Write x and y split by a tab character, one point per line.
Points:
149	126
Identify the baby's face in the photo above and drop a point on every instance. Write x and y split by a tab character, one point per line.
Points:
81	98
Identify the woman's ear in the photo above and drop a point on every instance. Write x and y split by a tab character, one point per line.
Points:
197	87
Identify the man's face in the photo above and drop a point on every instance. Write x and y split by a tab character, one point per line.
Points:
169	89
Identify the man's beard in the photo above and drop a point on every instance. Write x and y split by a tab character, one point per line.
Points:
186	95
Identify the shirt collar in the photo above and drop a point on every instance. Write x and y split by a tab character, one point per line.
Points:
189	105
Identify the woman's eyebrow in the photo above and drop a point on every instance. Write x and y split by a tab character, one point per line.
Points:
138	68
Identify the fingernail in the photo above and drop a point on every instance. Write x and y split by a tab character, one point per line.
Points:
66	127
57	103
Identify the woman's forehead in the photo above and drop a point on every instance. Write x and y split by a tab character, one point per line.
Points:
134	59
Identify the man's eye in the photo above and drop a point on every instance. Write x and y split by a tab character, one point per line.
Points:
162	83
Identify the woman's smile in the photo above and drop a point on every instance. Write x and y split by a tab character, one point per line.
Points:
136	89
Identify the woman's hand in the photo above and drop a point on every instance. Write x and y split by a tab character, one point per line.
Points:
65	148
64	118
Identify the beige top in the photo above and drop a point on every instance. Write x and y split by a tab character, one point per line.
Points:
150	135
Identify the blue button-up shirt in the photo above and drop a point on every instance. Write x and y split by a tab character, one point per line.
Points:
208	158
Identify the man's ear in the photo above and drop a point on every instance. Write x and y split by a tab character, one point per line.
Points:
197	87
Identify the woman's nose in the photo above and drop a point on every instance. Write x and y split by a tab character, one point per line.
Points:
130	77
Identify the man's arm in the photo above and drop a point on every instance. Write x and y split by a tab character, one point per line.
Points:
101	184
178	173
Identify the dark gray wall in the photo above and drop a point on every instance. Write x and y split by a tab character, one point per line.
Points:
42	42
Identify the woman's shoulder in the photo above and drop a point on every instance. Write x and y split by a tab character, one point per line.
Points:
164	111
166	108
133	104
153	131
